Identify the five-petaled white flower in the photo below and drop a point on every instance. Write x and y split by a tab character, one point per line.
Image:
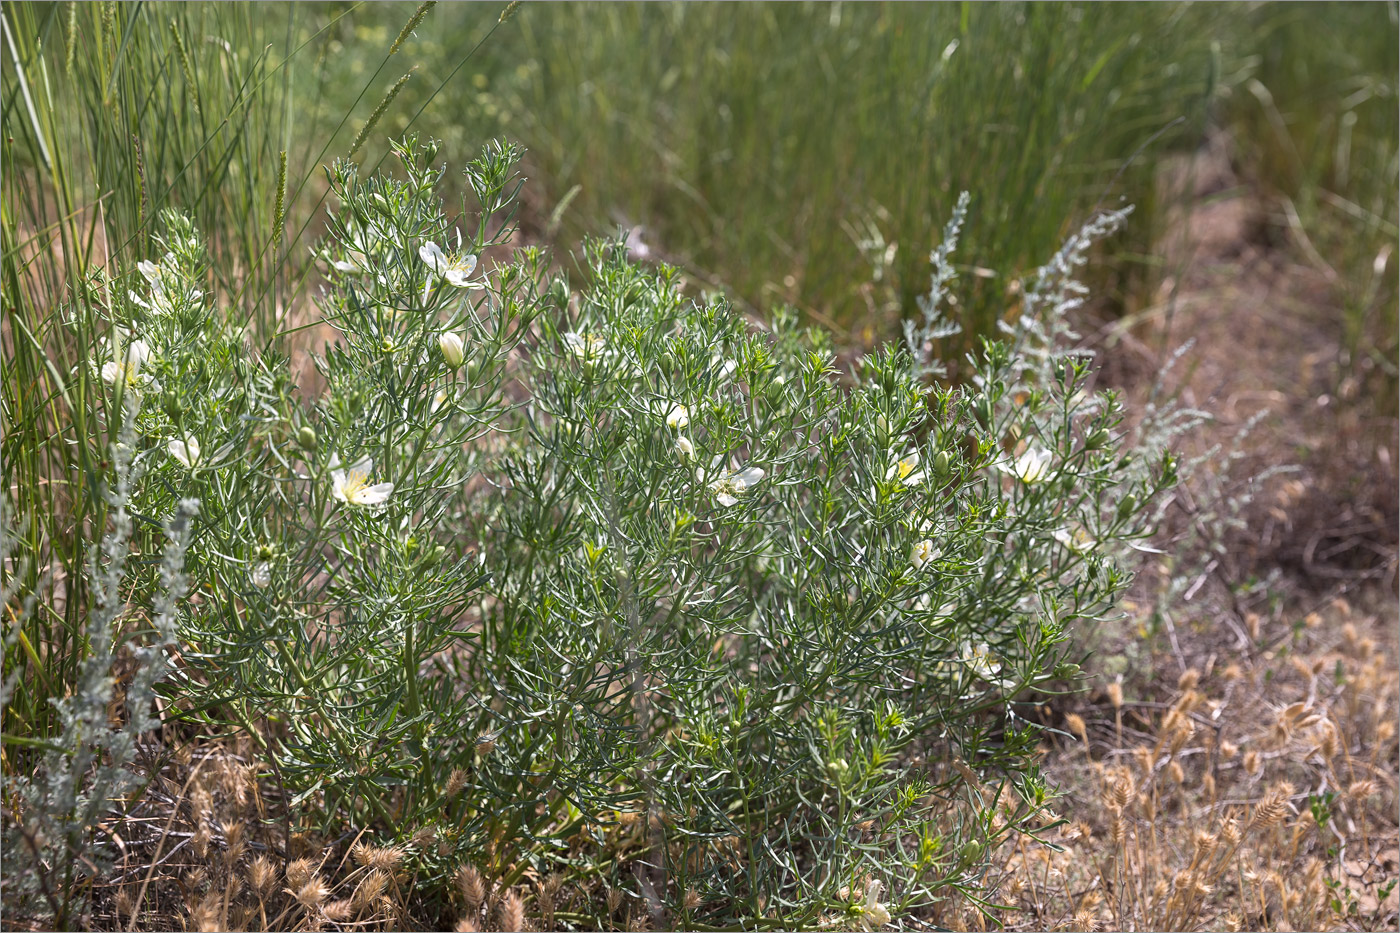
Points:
979	659
922	553
874	915
587	347
124	370
906	470
185	450
1076	539
350	486
456	268
684	447
1033	465
731	484
679	417
453	349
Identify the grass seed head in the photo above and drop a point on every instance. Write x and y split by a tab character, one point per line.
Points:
472	887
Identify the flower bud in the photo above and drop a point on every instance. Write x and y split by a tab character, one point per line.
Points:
1099	438
940	464
453	350
306	437
1126	506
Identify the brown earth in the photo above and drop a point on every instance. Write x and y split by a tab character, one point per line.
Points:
1235	767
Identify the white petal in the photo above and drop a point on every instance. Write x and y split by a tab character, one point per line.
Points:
685	447
914	479
431	254
373	495
725	498
749	477
364	466
138	353
149	269
111	372
262	575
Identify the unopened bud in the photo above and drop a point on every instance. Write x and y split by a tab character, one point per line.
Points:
306	437
1099	438
453	350
1126	506
940	464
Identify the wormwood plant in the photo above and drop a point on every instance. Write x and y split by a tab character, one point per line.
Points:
610	581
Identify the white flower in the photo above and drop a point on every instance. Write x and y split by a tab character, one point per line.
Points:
906	469
453	350
186	450
347	266
874	915
124	370
684	447
1032	466
725	366
922	553
978	657
1076	539
349	486
732	483
679	417
456	268
150	270
262	575
587	347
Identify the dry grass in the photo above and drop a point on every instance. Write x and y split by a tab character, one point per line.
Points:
1256	794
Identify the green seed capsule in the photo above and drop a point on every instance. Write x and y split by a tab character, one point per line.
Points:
306	437
940	464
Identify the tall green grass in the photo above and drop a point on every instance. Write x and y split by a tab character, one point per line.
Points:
1319	126
798	151
111	113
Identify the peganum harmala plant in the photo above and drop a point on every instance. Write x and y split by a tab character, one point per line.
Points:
613	582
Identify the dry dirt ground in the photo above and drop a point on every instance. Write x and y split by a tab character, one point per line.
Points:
1236	765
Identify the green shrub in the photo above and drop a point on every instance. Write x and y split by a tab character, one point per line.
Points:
619	558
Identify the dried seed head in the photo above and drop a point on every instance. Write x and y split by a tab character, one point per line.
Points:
126	902
1228	750
1122	791
1252	764
1084	922
425	837
511	913
1273	807
205	914
1188	679
455	782
235	844
467	925
384	858
1331	741
472	887
614	899
299	872
311	894
1115	694
1230	833
485	744
1208	786
196	878
691	900
1360	790
1077	727
1178	775
339	911
368	890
